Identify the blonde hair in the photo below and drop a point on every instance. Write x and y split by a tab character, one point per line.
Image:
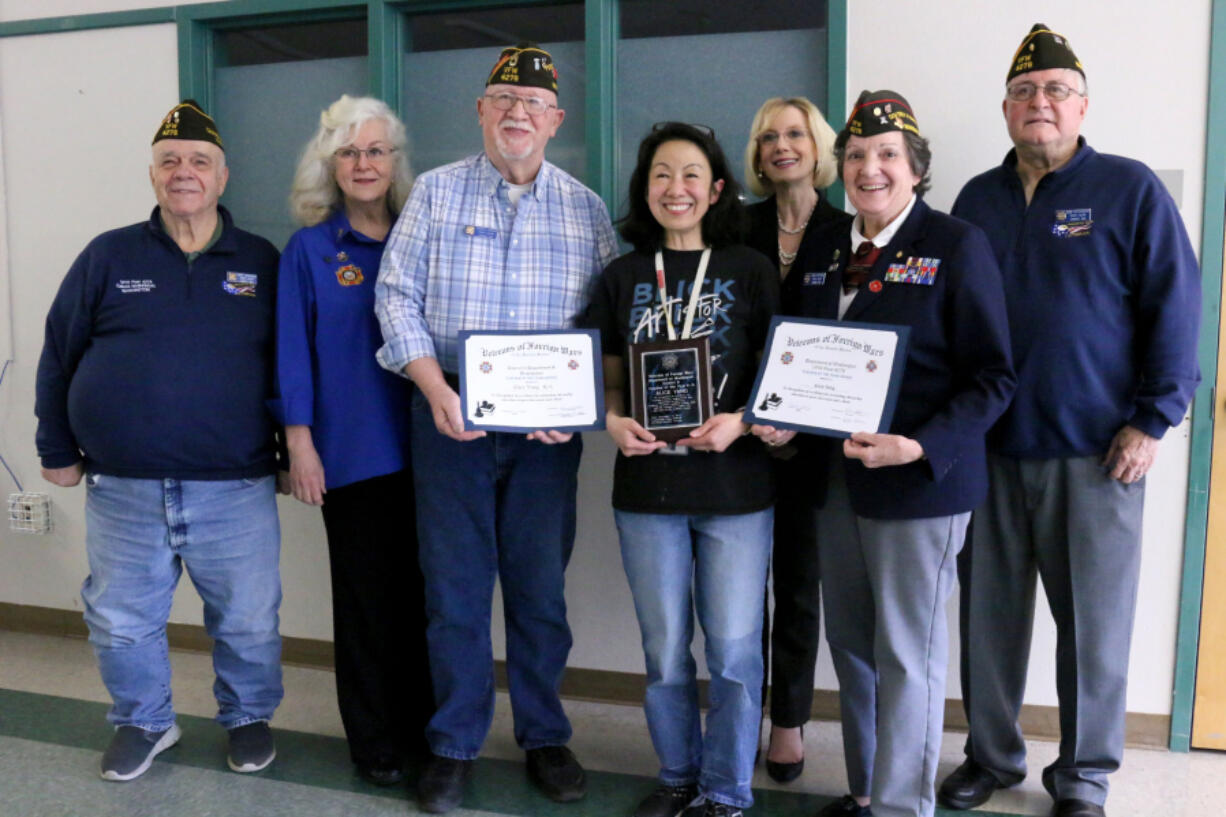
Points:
824	171
315	195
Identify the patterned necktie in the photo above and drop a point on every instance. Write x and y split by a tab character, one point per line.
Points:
860	265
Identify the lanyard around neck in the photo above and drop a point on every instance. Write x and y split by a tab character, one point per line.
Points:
695	294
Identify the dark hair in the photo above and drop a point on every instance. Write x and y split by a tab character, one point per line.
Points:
723	223
919	156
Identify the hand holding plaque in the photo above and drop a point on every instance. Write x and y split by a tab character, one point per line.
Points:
670	386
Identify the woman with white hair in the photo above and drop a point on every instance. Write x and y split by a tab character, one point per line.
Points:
346	422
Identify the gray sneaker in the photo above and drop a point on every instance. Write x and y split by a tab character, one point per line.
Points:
133	749
251	747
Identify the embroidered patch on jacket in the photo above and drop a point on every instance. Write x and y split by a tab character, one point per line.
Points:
1072	223
349	275
916	270
813	279
473	231
240	283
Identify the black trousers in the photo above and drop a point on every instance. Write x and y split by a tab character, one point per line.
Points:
378	618
795	631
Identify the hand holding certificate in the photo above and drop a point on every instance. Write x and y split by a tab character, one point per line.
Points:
530	381
828	377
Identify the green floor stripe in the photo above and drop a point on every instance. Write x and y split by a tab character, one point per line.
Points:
317	760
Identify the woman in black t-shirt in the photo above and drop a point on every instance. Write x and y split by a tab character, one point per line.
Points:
694	518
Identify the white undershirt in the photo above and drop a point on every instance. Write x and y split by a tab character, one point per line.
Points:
515	192
882	239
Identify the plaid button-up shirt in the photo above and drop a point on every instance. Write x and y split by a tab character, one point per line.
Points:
461	257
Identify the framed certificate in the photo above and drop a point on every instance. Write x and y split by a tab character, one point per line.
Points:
829	377
533	380
670	386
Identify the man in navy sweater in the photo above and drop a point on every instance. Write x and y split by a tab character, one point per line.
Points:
151	386
1103	293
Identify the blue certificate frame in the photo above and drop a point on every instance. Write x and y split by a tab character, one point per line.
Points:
848	338
554	372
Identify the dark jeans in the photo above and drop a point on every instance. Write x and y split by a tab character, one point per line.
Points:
499	507
378	618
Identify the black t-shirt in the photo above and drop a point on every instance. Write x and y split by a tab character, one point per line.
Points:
740	293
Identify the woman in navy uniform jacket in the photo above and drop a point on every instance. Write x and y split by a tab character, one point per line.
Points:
897	504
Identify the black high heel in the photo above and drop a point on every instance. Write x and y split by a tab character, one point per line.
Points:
785	772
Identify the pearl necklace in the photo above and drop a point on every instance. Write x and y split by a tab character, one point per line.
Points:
786	258
798	230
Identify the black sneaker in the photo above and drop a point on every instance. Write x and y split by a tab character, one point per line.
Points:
710	808
667	801
133	749
251	747
845	806
441	785
557	773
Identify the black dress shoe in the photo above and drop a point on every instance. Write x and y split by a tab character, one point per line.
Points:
557	773
381	772
845	806
785	772
1072	807
967	786
441	786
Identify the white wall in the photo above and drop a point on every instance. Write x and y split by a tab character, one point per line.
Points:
949	59
77	111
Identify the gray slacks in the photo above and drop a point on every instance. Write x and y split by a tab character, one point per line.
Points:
885	584
1080	531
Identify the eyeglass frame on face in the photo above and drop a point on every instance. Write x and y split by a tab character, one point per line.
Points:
1054	91
506	101
374	153
770	137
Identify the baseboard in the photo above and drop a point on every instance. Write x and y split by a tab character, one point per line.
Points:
601	686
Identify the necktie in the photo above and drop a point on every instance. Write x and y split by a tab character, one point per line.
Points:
860	265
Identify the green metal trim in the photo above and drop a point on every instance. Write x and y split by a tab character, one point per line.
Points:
88	22
245	12
1204	408
836	78
384	46
602	32
196	62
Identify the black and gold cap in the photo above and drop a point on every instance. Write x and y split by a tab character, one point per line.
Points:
526	64
1042	49
881	112
187	120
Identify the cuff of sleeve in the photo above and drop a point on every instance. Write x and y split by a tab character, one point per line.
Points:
59	460
399	352
1152	423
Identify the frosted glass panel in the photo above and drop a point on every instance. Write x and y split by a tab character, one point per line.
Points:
265	114
719	80
440	105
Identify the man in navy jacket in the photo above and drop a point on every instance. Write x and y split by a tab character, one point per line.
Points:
152	386
1103	294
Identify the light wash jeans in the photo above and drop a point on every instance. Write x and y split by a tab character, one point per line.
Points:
140	534
715	565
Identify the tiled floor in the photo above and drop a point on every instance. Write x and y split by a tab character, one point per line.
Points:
49	744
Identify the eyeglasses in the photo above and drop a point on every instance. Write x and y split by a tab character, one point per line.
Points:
706	130
1055	91
771	138
533	105
374	154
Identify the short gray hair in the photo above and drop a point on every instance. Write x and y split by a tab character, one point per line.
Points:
315	194
919	157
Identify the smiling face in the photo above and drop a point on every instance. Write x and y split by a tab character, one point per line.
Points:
1040	124
680	190
878	178
787	153
515	137
188	177
362	179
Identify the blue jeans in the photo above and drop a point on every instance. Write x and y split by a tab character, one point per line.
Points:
139	535
501	506
716	565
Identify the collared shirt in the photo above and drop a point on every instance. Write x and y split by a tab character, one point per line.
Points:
327	336
461	257
882	239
